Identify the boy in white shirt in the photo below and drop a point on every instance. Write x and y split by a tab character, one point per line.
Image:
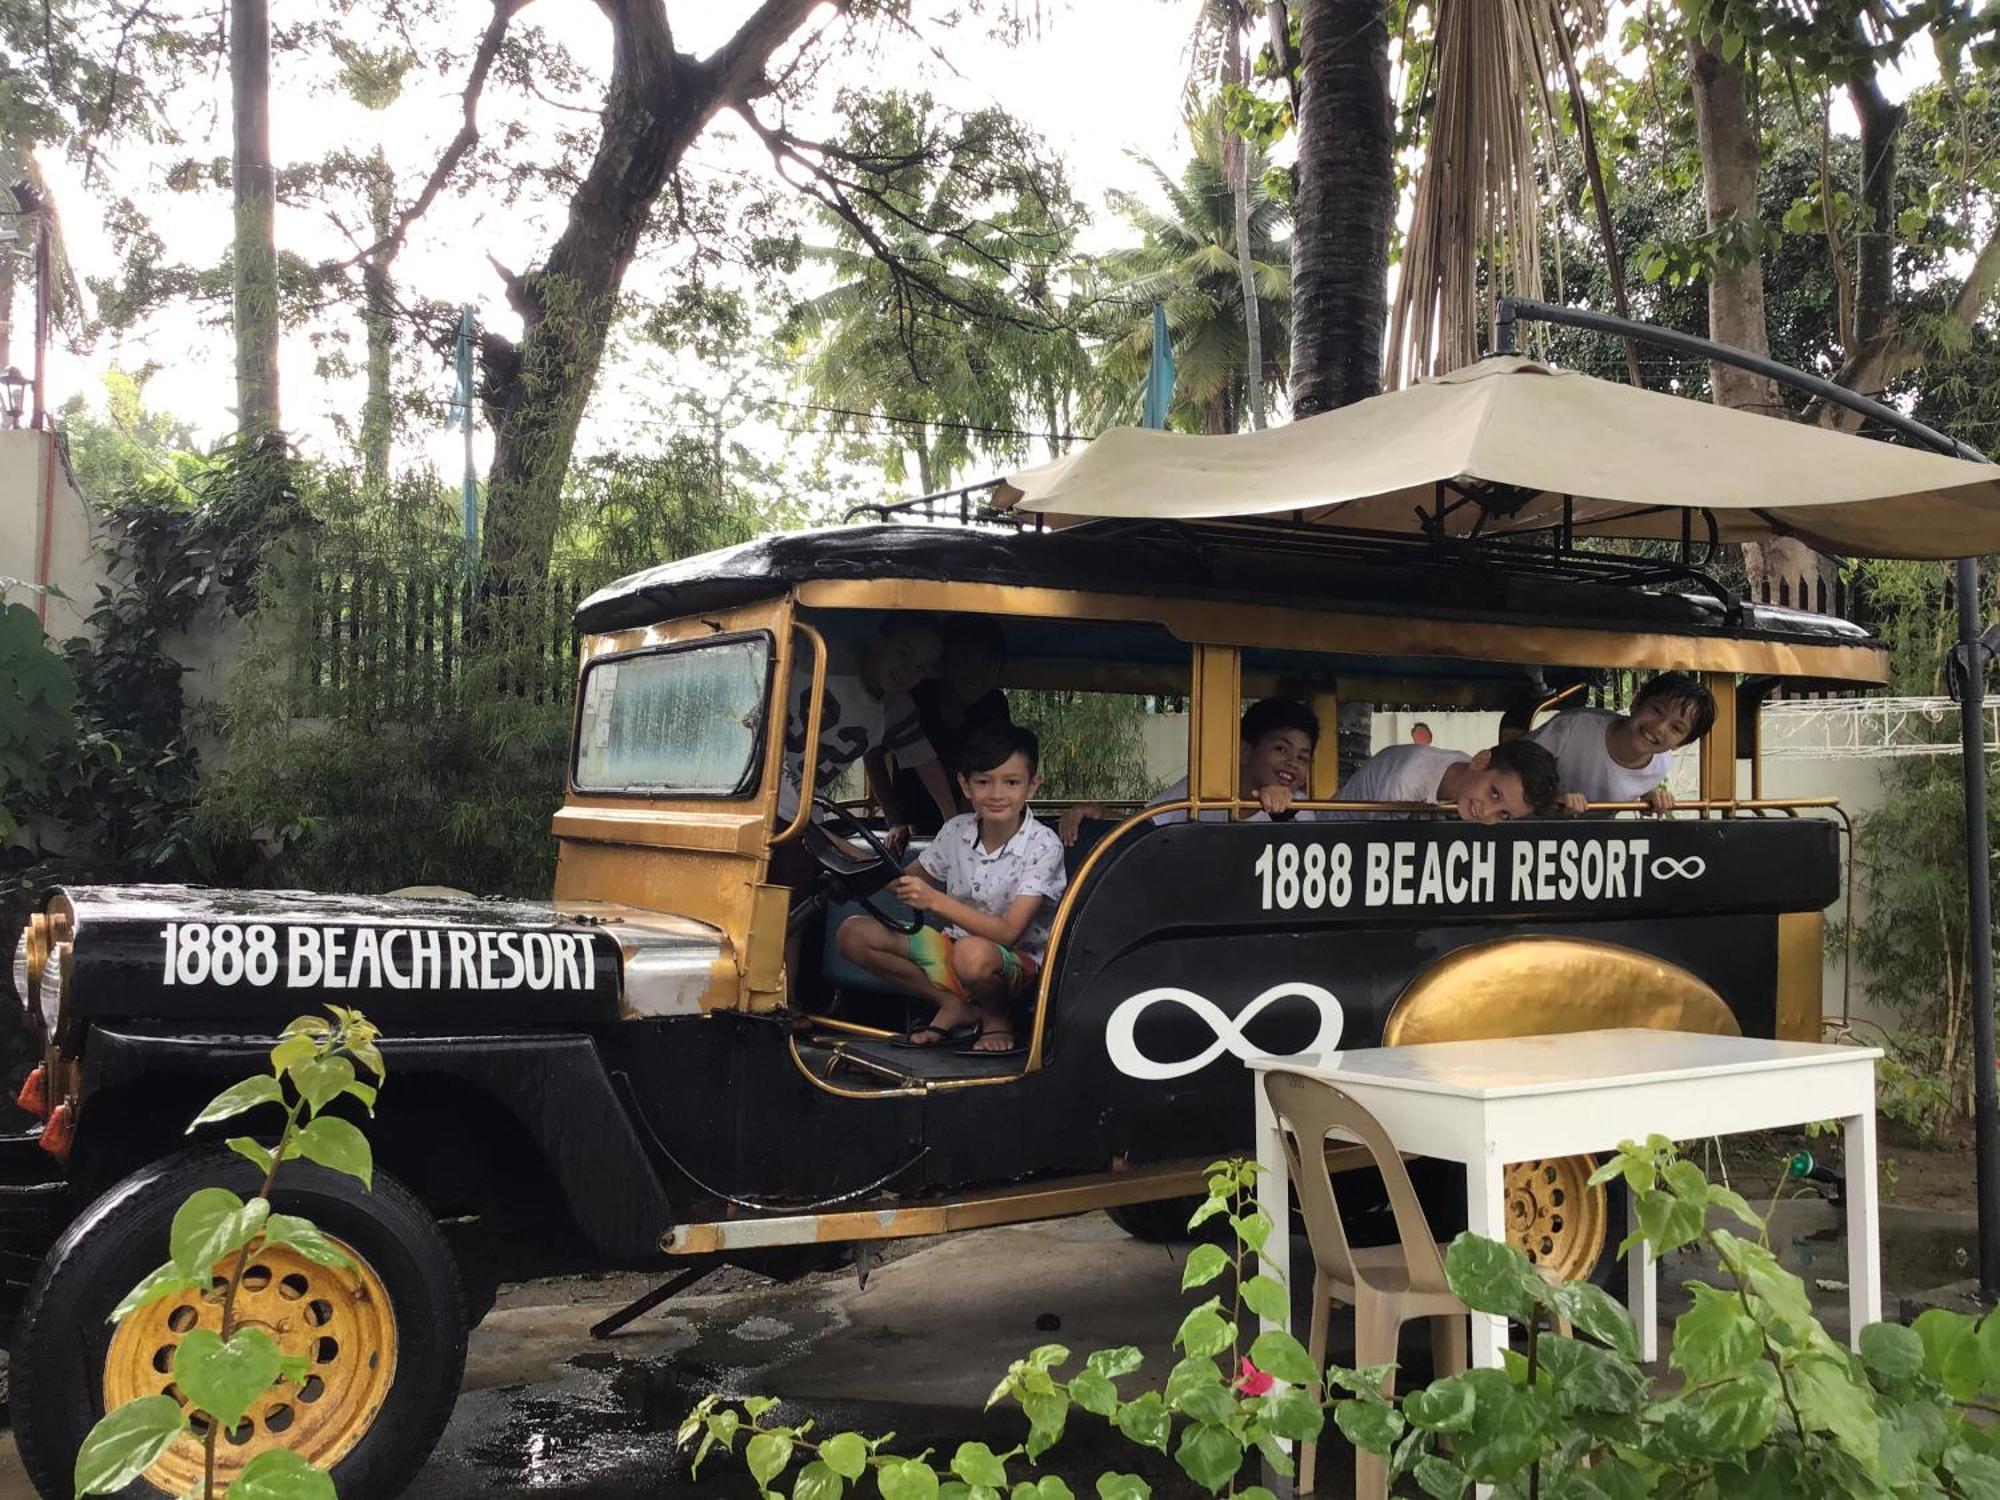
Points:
1514	780
1277	737
1608	757
992	877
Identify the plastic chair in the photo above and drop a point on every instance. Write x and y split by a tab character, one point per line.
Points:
1386	1286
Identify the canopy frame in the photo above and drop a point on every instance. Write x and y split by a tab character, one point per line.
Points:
1970	662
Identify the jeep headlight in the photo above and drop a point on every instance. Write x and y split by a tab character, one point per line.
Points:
38	972
23	970
50	989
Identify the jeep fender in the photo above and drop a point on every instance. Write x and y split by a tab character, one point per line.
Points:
554	1085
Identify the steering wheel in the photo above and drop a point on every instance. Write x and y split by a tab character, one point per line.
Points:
851	877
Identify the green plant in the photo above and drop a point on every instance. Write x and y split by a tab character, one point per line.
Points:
1223	1394
1762	1403
223	1372
37	699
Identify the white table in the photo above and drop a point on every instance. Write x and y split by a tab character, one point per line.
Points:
1488	1103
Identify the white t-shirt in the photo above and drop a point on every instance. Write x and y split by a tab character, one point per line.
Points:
1178	793
1028	864
1576	739
1401	773
852	722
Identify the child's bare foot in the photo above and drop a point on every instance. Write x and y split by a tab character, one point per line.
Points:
995	1037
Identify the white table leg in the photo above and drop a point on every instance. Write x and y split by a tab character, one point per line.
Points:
1864	1228
1486	1214
1642	1296
1274	1199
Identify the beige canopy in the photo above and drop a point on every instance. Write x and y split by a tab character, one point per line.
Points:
1499	446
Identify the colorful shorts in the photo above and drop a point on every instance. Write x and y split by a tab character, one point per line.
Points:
931	949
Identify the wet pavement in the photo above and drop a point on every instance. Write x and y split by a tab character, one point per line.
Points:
550	1412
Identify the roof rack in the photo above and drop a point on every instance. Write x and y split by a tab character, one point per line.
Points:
1520	553
949	508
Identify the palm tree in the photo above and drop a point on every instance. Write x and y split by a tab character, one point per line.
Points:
1217	56
1344	203
1188	260
1475	224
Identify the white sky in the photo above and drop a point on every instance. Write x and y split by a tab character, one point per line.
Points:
1102	77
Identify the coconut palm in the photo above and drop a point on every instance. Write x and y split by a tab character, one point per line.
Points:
1187	260
1475	223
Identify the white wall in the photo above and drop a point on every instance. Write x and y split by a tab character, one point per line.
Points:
43	514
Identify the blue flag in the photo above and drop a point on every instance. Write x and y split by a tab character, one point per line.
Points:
461	419
1159	374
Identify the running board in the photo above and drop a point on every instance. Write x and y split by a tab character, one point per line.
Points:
1018	1204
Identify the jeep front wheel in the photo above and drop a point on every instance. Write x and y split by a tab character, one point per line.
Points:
384	1337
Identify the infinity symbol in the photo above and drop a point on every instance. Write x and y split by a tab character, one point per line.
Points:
1120	1031
1666	867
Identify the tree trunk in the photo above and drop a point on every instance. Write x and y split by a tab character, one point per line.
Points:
659	100
1344	204
1236	156
378	408
254	259
1868	342
1727	139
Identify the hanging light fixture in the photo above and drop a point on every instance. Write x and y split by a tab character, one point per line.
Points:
13	395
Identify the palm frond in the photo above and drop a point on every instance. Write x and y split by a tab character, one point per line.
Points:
1474	232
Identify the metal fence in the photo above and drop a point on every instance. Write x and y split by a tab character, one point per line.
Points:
387	646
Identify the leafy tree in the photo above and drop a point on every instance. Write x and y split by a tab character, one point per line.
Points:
1187	260
123	444
929	382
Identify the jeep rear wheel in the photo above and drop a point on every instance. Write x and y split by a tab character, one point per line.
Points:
384	1337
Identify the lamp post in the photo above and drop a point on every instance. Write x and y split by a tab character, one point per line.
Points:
13	396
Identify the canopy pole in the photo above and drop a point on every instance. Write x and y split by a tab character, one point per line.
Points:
1971	683
1969	661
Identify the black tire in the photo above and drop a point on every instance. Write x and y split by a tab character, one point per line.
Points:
1611	1270
1164	1221
62	1337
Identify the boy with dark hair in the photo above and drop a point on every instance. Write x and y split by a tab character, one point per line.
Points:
962	695
1609	757
991	877
1514	780
864	709
1277	738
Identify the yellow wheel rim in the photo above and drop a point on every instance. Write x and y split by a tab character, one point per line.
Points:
337	1319
1555	1216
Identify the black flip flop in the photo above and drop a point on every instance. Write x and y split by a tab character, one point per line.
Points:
1014	1051
946	1034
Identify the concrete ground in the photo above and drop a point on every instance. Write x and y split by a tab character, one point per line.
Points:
551	1412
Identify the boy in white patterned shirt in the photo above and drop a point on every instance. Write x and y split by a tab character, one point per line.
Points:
1001	873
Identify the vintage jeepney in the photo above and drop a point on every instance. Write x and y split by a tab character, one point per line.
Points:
630	1076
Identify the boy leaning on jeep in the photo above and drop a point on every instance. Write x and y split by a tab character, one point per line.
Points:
991	879
1609	757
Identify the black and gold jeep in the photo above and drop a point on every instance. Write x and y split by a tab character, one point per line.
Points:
629	1076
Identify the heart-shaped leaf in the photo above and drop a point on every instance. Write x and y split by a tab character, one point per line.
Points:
333	1142
212	1223
224	1378
280	1474
126	1443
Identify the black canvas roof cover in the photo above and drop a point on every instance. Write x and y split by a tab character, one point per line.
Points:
1159	562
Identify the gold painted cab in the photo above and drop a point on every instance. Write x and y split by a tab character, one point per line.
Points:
1192	931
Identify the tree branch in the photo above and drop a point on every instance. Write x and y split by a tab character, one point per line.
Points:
738	62
386	249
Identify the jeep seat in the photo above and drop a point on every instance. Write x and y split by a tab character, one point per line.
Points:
841	974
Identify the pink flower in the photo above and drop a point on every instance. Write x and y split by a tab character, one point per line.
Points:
1253	1381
